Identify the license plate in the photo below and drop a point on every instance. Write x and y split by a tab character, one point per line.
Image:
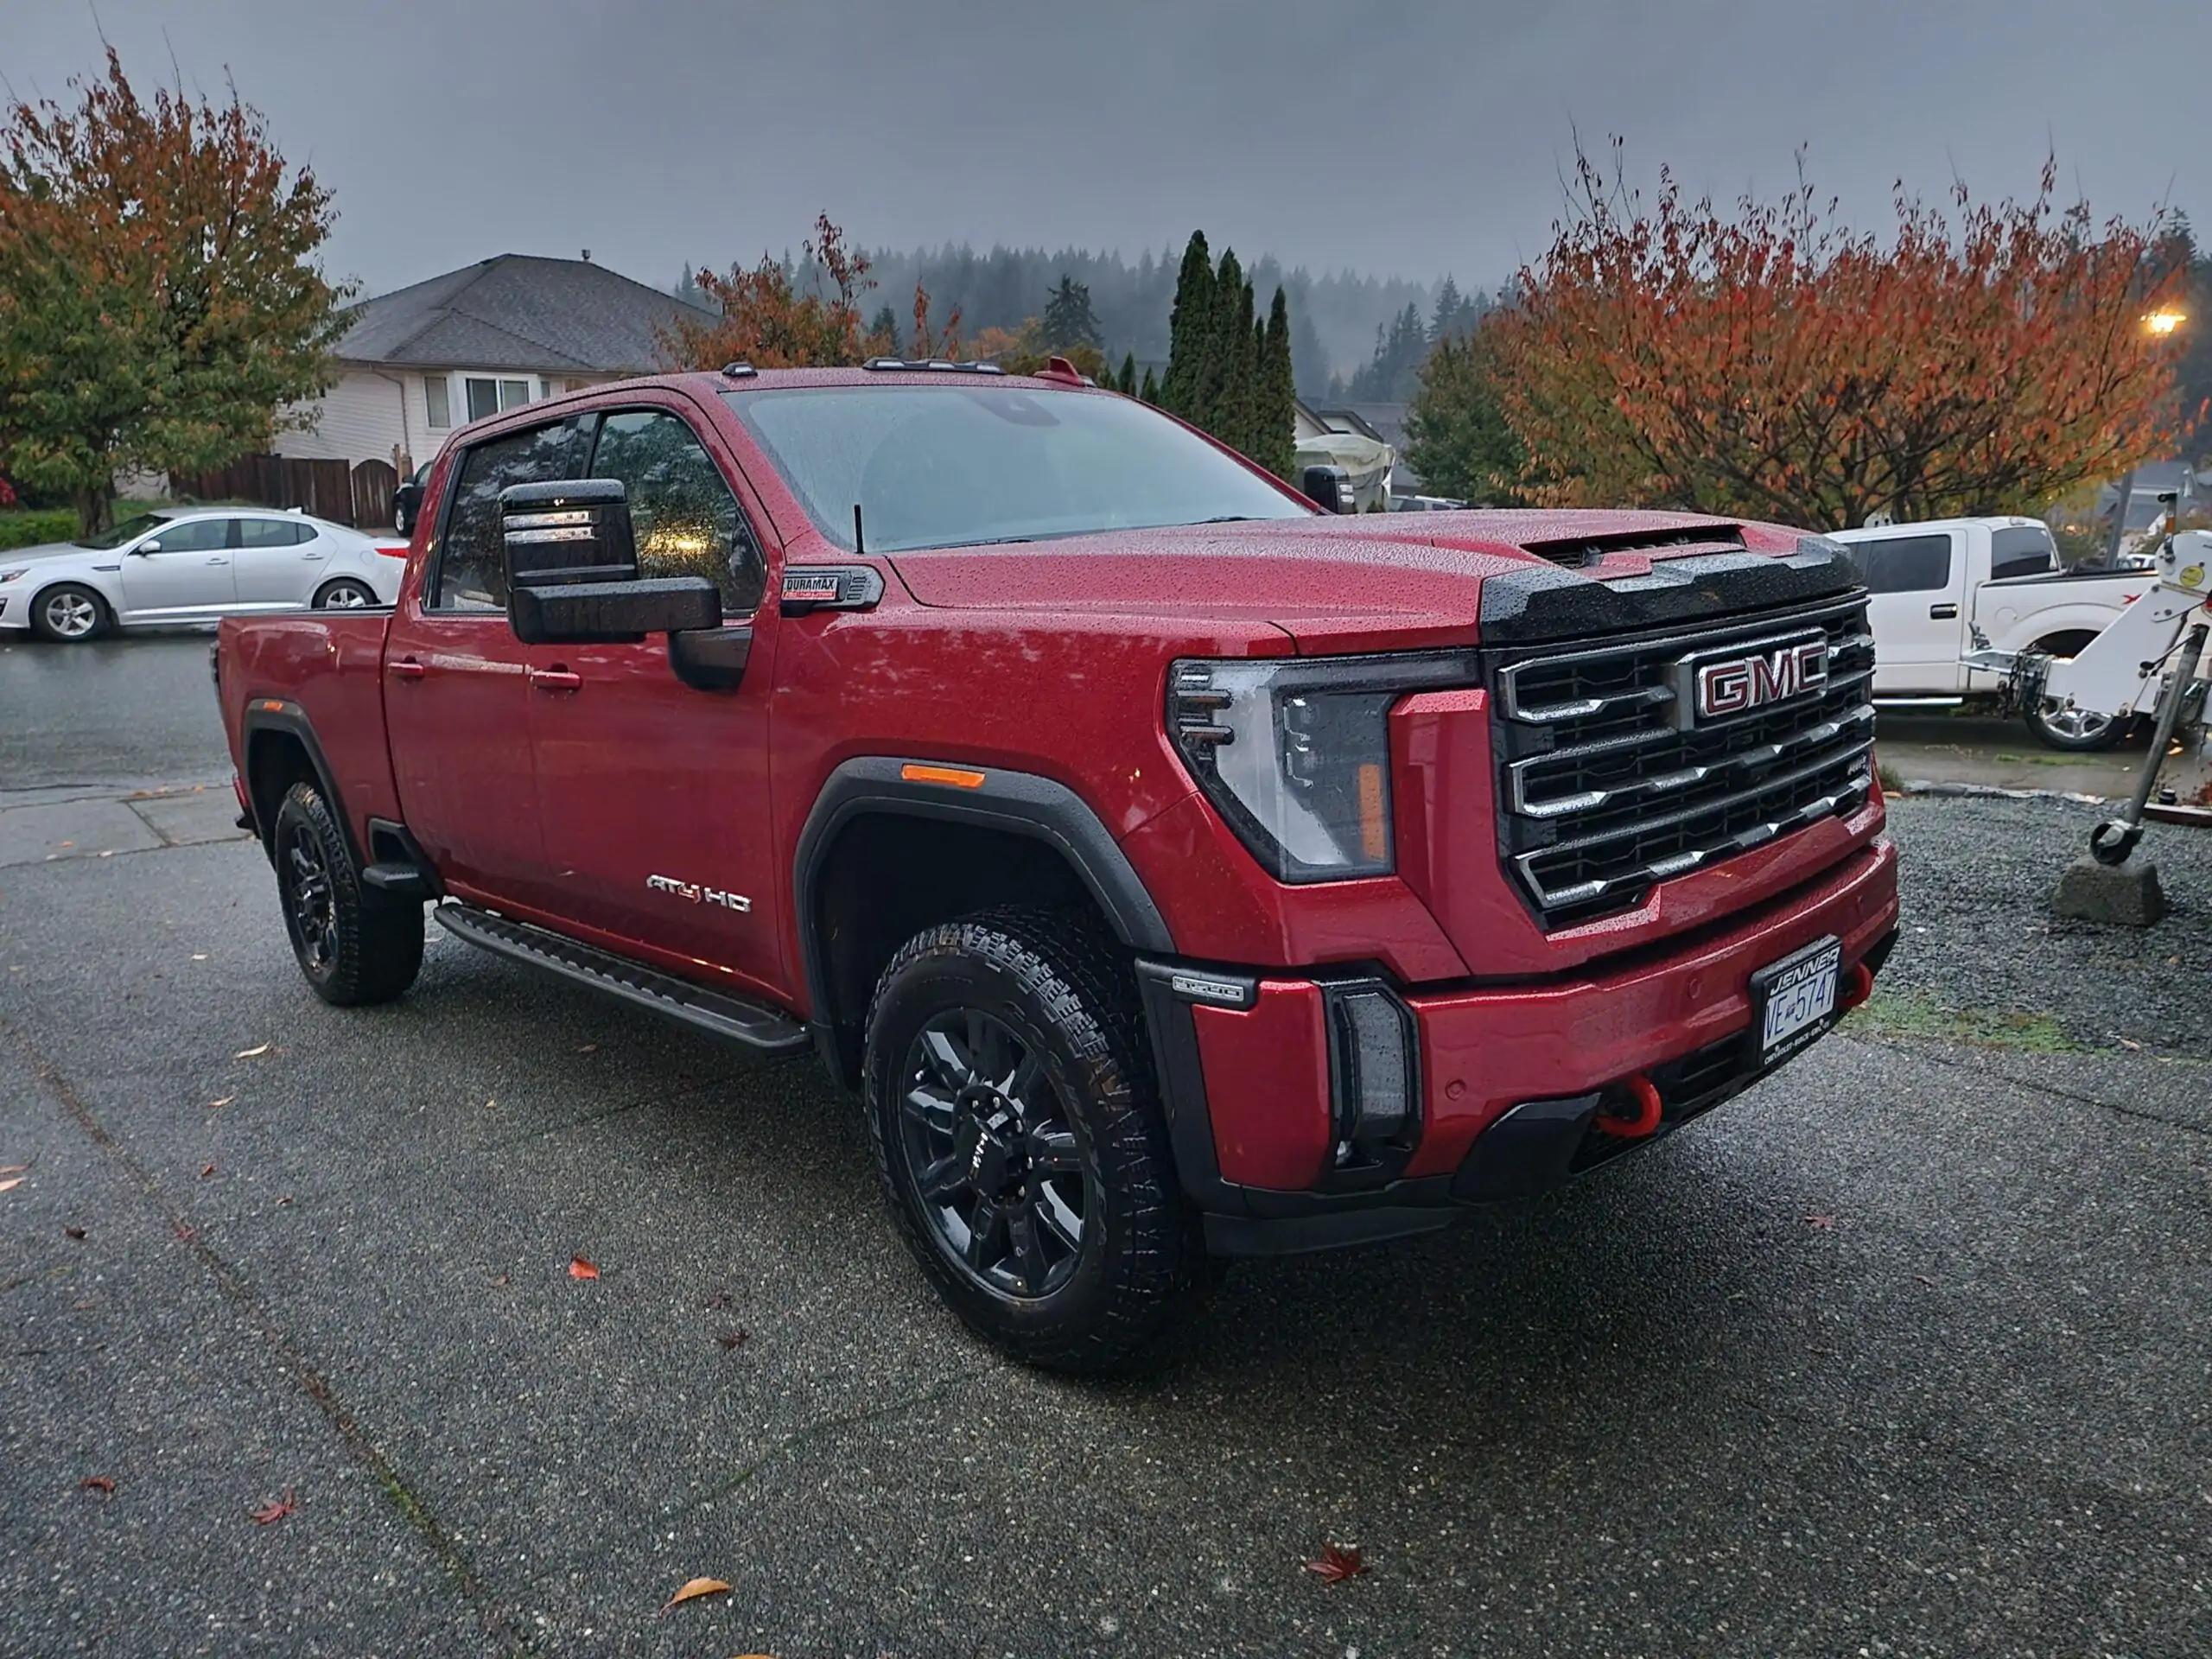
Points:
1793	1001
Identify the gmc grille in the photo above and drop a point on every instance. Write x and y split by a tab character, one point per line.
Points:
1605	787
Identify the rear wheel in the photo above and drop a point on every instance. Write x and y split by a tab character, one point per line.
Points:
1021	1140
2079	731
70	613
355	946
345	594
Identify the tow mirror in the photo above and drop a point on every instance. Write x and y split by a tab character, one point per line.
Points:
1329	488
572	570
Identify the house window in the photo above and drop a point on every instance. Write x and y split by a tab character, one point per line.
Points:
437	401
489	396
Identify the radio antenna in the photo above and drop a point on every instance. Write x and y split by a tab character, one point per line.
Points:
860	541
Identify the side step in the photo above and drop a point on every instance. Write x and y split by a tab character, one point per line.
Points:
757	1027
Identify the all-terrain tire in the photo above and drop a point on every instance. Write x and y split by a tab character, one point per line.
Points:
356	946
1058	990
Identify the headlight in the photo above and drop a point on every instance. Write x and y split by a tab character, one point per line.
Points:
10	575
1296	752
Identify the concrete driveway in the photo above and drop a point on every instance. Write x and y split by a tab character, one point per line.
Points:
1905	1352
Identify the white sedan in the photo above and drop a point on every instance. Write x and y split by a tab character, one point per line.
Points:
193	564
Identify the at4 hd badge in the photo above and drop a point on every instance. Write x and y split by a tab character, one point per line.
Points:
699	894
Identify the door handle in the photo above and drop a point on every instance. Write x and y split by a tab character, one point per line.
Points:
407	669
218	561
555	679
1942	613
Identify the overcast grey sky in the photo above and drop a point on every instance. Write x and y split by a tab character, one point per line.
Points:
1395	137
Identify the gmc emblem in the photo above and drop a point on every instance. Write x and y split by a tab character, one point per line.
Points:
1736	679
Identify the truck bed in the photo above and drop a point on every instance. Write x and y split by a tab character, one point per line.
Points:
323	670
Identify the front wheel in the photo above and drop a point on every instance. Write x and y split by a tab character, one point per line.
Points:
69	614
2075	731
355	946
1022	1143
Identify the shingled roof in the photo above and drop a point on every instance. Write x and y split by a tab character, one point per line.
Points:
515	311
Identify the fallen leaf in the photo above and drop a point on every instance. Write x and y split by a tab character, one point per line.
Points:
206	1170
251	1053
199	956
13	1169
501	1280
100	1483
225	1101
75	1232
733	1339
274	1509
286	1198
1925	1279
2128	1044
588	1048
64	844
489	1104
1820	1223
580	1268
695	1588
720	1298
10	1185
1337	1564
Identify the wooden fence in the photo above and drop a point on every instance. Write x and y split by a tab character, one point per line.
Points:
329	489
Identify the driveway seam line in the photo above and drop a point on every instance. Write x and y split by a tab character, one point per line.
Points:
2135	1112
234	1290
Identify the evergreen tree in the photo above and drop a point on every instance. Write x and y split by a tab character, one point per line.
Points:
1274	445
1068	320
884	331
1149	392
1225	368
1394	373
1126	381
1190	327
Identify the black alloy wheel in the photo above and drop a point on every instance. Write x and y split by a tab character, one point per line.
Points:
355	945
1020	1136
1001	1177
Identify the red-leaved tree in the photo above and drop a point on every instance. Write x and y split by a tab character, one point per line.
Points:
767	319
1774	363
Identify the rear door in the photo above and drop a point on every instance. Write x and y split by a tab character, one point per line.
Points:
656	793
457	682
1916	580
278	562
181	568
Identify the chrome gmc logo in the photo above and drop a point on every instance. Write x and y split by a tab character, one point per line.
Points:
1717	686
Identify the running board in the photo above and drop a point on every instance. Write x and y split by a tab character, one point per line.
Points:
749	1023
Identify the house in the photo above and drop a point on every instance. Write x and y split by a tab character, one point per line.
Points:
423	360
1384	424
1322	438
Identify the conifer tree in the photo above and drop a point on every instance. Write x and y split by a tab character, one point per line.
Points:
1217	398
1126	381
1190	327
1277	441
1149	392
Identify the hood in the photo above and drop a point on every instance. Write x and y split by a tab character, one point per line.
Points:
1332	583
15	555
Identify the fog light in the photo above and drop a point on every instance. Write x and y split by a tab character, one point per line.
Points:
1374	1074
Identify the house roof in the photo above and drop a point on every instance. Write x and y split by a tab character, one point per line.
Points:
515	311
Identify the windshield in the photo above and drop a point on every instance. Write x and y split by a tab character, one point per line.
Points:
959	466
128	531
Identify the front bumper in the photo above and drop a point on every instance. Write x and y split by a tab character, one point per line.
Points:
1508	1078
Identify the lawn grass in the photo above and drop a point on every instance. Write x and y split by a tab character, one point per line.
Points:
1909	1014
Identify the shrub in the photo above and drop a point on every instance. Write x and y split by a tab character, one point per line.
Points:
31	529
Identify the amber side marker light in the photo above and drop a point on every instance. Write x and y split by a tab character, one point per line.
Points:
272	705
958	776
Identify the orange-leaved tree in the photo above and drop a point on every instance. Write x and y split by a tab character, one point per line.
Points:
1772	363
768	319
160	301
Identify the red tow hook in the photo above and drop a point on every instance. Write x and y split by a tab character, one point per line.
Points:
1857	987
1646	1120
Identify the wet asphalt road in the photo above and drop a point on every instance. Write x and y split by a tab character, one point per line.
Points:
1905	1352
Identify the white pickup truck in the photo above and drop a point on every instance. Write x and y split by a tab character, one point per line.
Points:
1932	582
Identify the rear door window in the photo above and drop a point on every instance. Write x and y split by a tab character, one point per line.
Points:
2022	550
273	533
1905	564
470	574
685	518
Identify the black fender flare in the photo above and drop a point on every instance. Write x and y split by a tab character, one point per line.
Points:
1018	803
277	715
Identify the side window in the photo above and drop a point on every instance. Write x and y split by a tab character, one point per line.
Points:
687	521
1907	564
273	533
471	576
193	535
2024	550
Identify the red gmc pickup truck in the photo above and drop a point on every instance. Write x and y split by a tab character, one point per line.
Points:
1177	870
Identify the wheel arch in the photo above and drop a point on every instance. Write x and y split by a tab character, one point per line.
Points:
111	611
884	854
281	750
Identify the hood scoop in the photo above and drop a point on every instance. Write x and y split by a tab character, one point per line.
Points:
1575	552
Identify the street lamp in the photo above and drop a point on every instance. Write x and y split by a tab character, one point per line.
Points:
2165	322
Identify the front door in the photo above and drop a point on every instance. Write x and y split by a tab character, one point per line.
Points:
1914	608
458	685
655	794
183	567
